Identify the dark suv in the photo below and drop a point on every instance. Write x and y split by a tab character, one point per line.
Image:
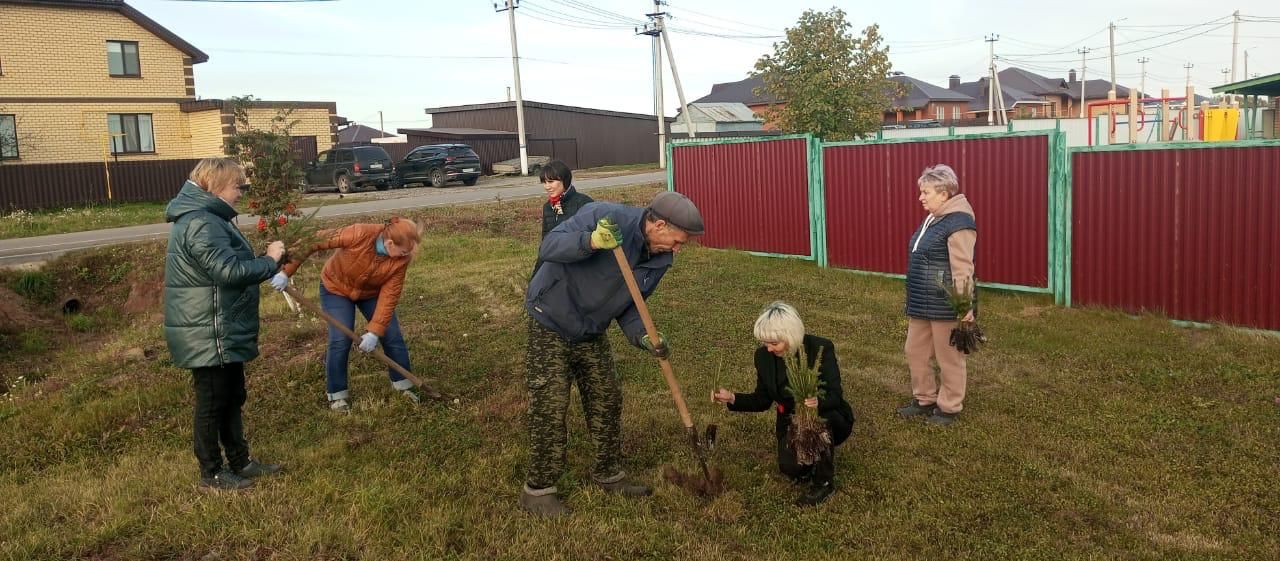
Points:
437	164
351	167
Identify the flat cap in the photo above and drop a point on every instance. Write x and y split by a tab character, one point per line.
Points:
678	211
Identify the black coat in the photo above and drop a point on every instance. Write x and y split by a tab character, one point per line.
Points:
570	204
771	384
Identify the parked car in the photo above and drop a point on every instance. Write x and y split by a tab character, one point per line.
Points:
923	124
437	164
350	168
512	166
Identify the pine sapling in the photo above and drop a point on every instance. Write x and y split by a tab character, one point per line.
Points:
808	435
968	336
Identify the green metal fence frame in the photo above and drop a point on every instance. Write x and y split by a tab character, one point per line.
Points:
817	235
1059	181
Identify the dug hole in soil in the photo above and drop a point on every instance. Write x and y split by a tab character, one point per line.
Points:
694	483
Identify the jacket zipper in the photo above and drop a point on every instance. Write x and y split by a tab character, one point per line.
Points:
217	330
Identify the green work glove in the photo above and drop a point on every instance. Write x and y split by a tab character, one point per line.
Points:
607	235
660	351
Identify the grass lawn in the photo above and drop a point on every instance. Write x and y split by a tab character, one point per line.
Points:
1087	434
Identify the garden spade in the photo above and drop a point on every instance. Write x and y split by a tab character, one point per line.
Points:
699	446
377	352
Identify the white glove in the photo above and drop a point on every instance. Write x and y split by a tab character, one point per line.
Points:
280	281
368	341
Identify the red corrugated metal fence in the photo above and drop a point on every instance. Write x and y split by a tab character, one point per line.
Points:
753	196
1187	232
872	205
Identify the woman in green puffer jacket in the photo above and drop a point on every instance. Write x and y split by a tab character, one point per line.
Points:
211	279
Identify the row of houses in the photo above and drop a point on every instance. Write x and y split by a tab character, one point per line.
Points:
95	80
1026	95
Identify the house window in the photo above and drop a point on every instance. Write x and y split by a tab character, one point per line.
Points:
8	137
955	112
122	58
1033	112
130	133
940	112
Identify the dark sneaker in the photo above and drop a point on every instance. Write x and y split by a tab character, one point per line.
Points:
255	469
818	493
225	480
941	419
542	502
915	409
626	488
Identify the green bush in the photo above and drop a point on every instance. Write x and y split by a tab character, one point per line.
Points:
80	322
36	286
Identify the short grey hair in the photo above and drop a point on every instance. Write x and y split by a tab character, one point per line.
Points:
780	322
940	178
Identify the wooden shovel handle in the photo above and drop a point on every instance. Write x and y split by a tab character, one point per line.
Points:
377	352
649	328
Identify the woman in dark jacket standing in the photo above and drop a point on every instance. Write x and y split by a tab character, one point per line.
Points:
211	281
563	201
780	331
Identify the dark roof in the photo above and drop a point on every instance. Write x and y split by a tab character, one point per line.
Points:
1012	96
920	93
1263	85
536	105
1097	89
1032	83
742	91
459	133
197	56
360	133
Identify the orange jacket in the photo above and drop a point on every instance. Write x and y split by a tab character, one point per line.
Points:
357	272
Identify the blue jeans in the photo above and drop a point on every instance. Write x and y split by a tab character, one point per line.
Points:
343	309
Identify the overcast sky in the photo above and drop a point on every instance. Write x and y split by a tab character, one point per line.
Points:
401	56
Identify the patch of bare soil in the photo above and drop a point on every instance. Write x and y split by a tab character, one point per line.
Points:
15	314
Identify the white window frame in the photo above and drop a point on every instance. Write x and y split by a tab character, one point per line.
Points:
9	149
141	129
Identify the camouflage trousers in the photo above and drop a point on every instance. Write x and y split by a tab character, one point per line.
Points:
553	365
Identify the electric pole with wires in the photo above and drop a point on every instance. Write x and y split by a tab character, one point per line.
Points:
657	27
991	77
509	6
1142	88
655	37
1084	68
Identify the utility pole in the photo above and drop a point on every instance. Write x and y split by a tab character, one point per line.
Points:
666	42
991	76
1112	27
1084	67
1225	71
1142	89
1246	64
1188	66
659	105
510	7
382	127
1235	42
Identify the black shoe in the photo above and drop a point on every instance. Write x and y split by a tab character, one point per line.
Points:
915	409
225	480
938	418
817	494
255	469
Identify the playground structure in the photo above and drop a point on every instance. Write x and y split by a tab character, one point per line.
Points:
1176	118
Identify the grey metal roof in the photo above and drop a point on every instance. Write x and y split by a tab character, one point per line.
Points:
742	91
920	93
1012	96
457	132
360	133
538	105
1263	85
721	112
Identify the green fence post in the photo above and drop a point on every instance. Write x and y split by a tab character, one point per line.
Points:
817	203
1059	215
671	175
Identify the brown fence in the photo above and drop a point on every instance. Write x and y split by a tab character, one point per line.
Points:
32	186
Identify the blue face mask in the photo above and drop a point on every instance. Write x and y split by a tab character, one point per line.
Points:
381	248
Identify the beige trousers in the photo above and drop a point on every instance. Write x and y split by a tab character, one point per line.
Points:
931	339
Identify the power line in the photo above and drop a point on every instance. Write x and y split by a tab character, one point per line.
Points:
725	19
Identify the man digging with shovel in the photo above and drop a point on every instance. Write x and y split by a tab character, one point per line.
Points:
571	300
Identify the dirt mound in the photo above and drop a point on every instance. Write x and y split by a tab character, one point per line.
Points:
145	295
15	314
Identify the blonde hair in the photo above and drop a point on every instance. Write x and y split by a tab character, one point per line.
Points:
780	322
940	178
213	173
404	233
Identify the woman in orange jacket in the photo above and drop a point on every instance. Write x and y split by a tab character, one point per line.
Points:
367	272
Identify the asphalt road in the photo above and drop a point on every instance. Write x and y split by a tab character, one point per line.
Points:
36	249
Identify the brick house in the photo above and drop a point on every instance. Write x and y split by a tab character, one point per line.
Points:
84	80
923	100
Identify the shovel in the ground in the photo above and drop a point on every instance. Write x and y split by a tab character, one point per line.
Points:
377	352
712	483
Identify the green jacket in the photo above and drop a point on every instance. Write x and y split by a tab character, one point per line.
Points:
210	283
